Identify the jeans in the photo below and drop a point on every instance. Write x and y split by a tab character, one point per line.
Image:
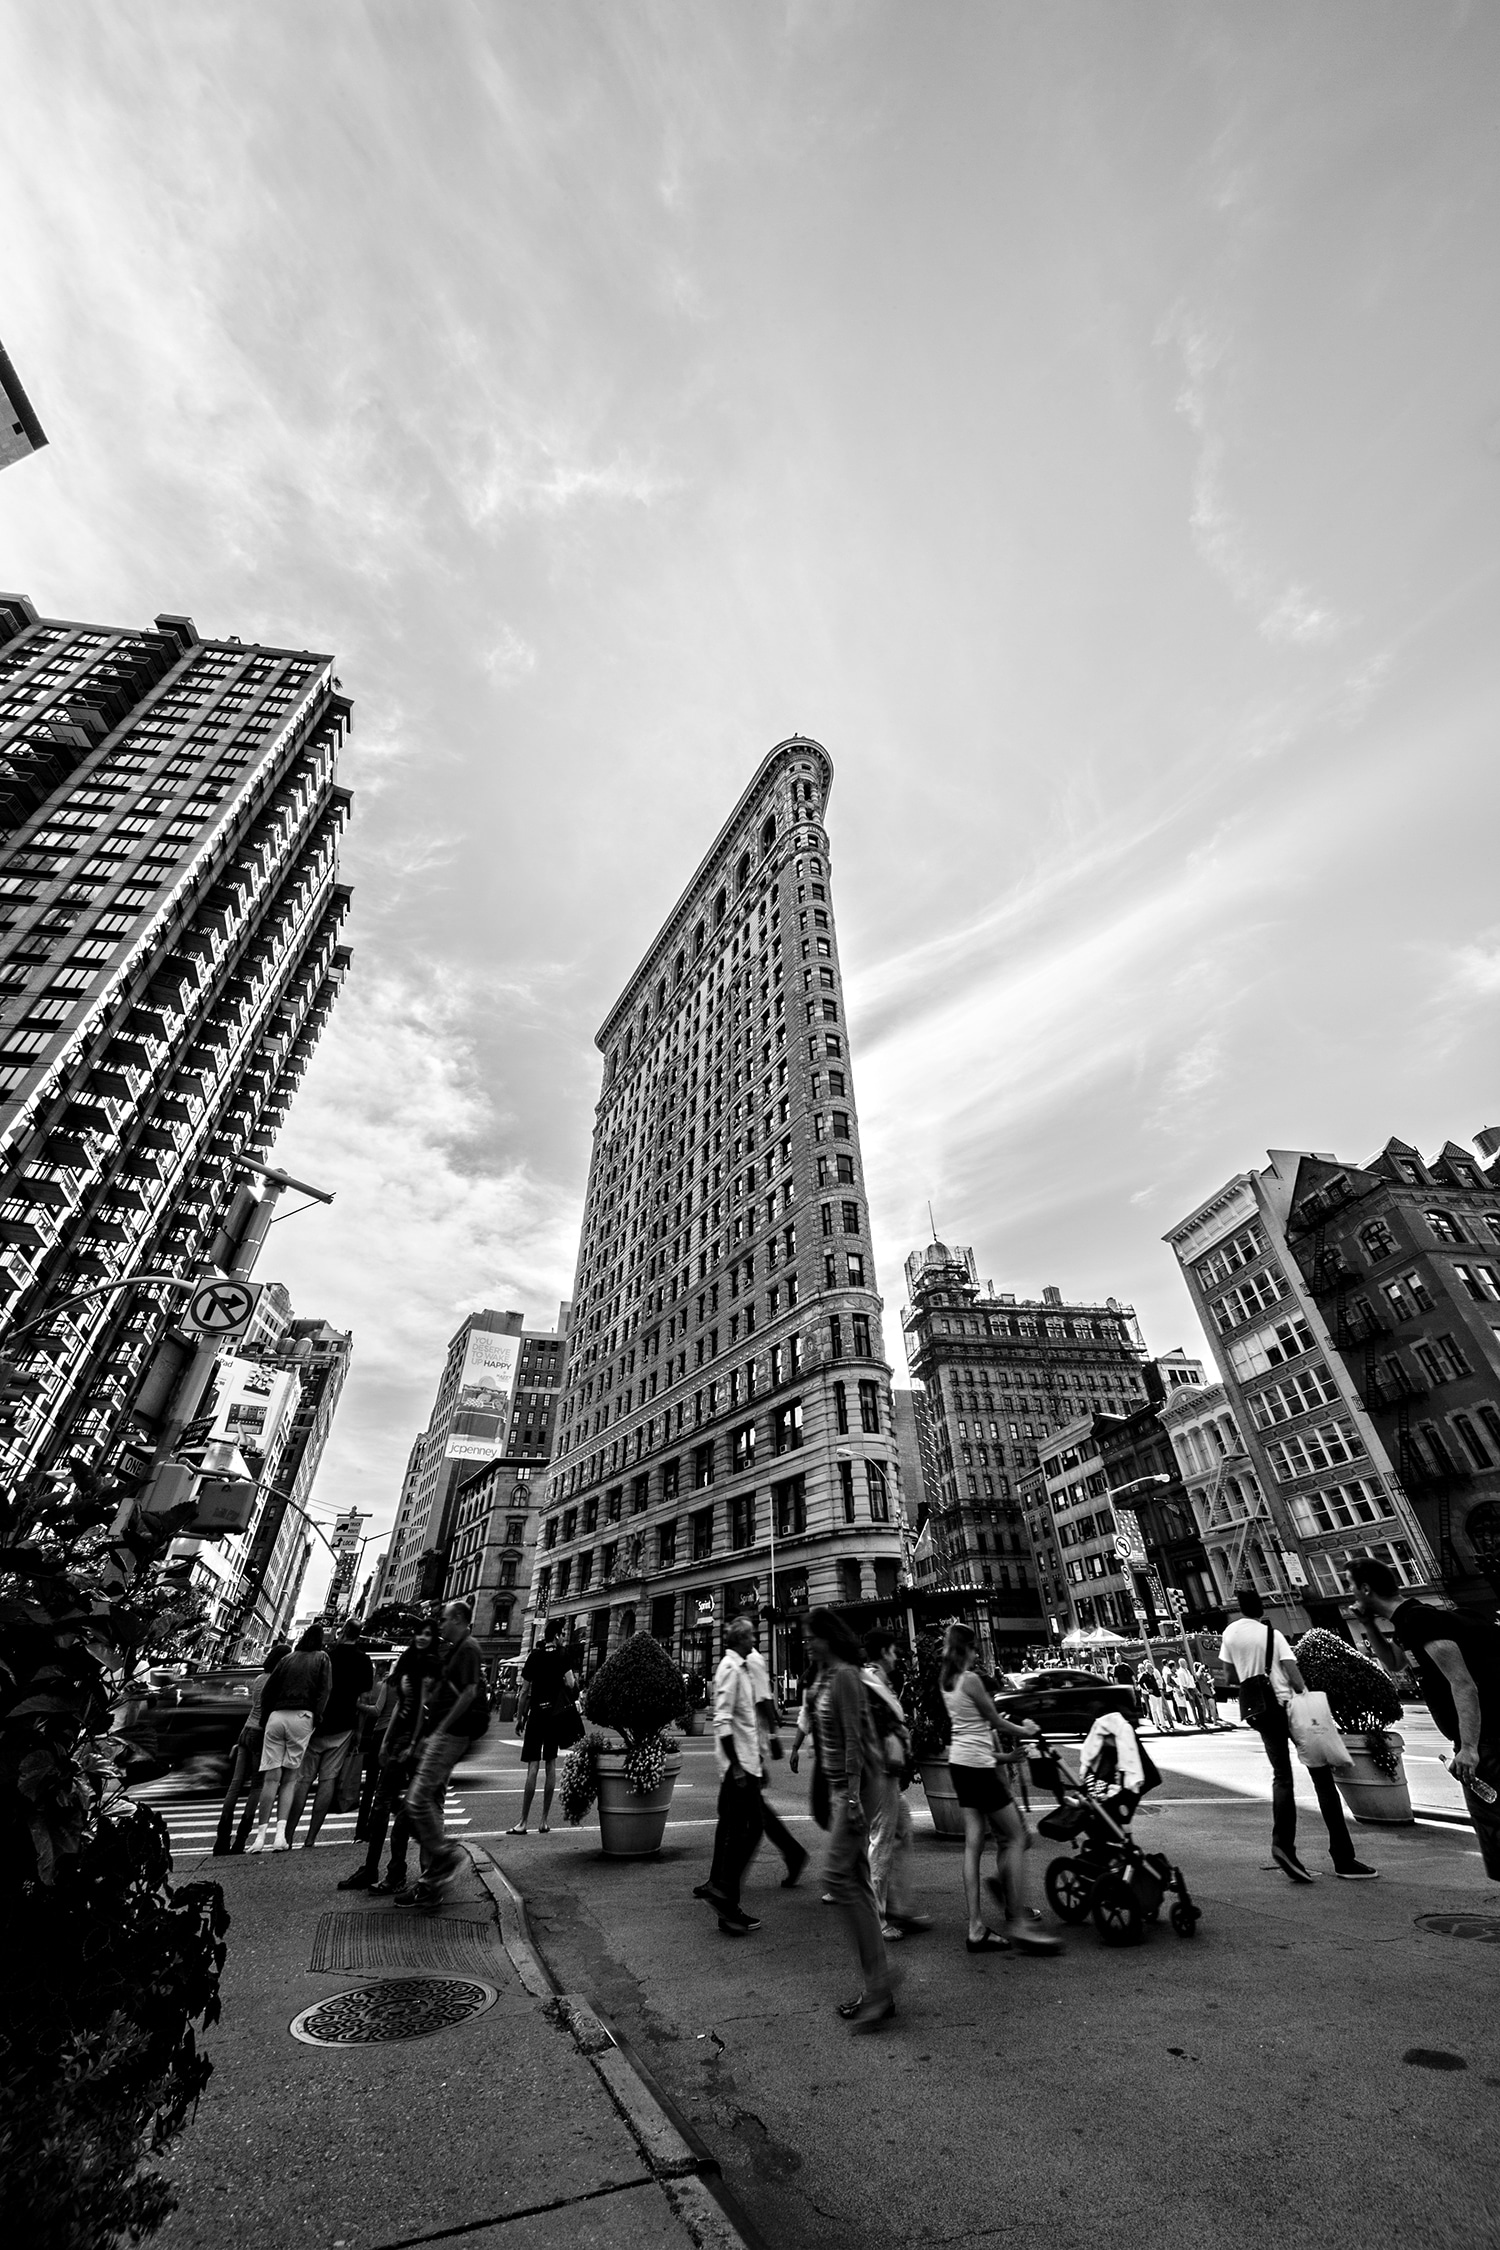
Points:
846	1873
779	1834
891	1849
436	1760
1276	1738
742	1820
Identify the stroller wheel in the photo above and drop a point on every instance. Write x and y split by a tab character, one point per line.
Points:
1185	1919
1117	1913
1070	1892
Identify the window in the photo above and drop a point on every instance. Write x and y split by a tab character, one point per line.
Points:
1473	1445
841	1125
742	1520
861	1325
1242	1303
666	1545
703	1534
1479	1282
789	1505
1340	1507
846	1490
1377	1241
856	1269
591	1514
1326	1445
670	1474
835	1337
1241	1250
844	1167
564	1580
851	1218
841	1408
869	1408
1445	1226
585	1571
569	1522
549	1534
786	1427
703	1466
743	1443
878	1485
826	1215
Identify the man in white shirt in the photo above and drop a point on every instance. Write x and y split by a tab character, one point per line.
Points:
1251	1649
741	1821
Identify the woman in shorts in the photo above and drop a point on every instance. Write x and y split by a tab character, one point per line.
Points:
987	1805
551	1723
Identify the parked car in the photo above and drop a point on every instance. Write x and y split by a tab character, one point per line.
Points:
170	1720
1063	1700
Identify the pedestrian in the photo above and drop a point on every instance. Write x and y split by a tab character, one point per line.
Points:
458	1712
410	1679
1261	1661
295	1697
1151	1688
334	1738
548	1715
851	1759
986	1803
890	1829
1185	1687
775	1829
1208	1695
741	1807
245	1773
1457	1661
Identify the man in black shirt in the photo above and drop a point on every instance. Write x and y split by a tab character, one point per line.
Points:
337	1732
458	1712
1457	1660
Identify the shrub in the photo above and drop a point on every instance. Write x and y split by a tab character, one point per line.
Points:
637	1691
1361	1696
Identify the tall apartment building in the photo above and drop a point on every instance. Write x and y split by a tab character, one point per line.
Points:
169	954
262	1597
496	1399
1320	1483
727	1416
999	1376
20	431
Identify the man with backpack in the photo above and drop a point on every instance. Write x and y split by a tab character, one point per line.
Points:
1261	1660
458	1712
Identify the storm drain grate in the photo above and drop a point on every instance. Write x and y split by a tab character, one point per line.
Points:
1484	1928
372	1944
405	2008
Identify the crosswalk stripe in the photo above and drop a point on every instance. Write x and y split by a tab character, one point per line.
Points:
193	1824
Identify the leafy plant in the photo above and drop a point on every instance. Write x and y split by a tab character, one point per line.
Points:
578	1784
636	1692
1361	1696
105	1967
646	1764
930	1732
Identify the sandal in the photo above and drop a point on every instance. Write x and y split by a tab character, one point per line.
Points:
544	1827
991	1942
520	1830
849	2009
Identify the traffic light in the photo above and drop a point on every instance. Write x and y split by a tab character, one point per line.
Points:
17	1389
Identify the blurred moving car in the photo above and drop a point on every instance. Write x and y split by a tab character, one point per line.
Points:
1063	1700
168	1720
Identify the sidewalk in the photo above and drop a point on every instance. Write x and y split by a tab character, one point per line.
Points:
524	2127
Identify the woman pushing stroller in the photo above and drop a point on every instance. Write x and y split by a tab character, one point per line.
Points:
987	1805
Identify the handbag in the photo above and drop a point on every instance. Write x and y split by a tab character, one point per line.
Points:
1257	1694
1318	1741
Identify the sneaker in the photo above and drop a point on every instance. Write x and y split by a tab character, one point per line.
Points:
389	1884
1290	1865
279	1843
360	1880
891	1933
1357	1872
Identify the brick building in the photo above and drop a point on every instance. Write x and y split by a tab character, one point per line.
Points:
169	954
727	1417
1318	1483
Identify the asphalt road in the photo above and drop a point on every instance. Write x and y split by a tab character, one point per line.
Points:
1255	2085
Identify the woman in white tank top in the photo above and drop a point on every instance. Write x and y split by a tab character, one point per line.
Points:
974	1766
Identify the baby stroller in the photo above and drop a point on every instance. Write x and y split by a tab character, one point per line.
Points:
1106	1873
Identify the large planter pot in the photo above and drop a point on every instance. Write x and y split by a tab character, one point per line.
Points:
632	1827
942	1803
697	1722
1372	1796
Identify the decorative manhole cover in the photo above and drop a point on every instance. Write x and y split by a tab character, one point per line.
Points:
1484	1927
404	2008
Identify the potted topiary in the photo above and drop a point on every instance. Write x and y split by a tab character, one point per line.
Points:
636	1695
930	1735
1364	1701
697	1697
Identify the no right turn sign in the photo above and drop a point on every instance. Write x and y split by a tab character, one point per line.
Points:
219	1310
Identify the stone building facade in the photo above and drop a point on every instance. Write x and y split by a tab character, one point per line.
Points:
726	1433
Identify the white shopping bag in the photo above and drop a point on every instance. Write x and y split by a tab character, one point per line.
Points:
1318	1740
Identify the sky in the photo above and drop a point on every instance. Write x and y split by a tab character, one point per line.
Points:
1083	420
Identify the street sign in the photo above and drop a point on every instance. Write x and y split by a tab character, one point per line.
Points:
219	1310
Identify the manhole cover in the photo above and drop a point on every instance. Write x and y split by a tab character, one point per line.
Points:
1484	1927
404	2008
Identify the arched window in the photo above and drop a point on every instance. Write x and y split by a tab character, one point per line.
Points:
768	832
700	939
661	995
742	872
681	967
721	907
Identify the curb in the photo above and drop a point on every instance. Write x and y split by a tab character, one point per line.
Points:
679	2159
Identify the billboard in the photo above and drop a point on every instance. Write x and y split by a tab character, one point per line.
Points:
481	1415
